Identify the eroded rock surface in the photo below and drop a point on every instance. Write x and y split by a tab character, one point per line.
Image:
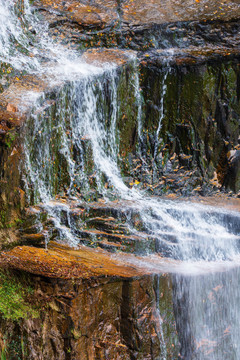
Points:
140	26
62	262
91	306
102	13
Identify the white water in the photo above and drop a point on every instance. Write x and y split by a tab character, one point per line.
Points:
203	238
167	69
189	230
25	44
88	149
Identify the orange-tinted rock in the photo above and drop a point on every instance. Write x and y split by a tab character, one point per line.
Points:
62	262
11	108
92	306
142	12
108	56
95	318
100	319
11	196
158	12
91	14
17	100
9	119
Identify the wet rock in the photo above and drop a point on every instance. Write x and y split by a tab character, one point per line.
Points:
91	14
63	262
108	56
16	102
95	305
141	26
137	13
102	311
232	177
205	129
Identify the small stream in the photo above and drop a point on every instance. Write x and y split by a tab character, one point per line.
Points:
73	142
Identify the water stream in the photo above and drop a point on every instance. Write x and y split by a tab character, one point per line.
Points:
71	149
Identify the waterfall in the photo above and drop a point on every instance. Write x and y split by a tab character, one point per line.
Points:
207	314
71	143
26	45
72	146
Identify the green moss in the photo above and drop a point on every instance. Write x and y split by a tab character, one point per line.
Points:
5	223
14	297
10	138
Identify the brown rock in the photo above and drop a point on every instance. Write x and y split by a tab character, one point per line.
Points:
140	12
96	319
63	262
105	56
11	108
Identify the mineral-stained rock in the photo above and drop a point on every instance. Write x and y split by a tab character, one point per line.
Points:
206	125
141	25
99	14
138	12
61	262
93	307
103	319
101	57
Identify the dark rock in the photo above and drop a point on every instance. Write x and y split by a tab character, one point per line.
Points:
232	177
141	27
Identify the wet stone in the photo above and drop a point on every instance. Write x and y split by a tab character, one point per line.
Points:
110	295
141	26
76	309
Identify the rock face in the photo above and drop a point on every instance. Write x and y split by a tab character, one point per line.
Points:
17	101
141	26
200	121
138	12
61	262
11	193
190	149
105	312
186	139
176	90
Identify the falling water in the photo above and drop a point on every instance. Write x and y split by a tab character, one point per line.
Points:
77	146
166	72
71	147
207	314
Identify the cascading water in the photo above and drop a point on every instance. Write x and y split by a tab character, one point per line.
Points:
57	148
71	149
